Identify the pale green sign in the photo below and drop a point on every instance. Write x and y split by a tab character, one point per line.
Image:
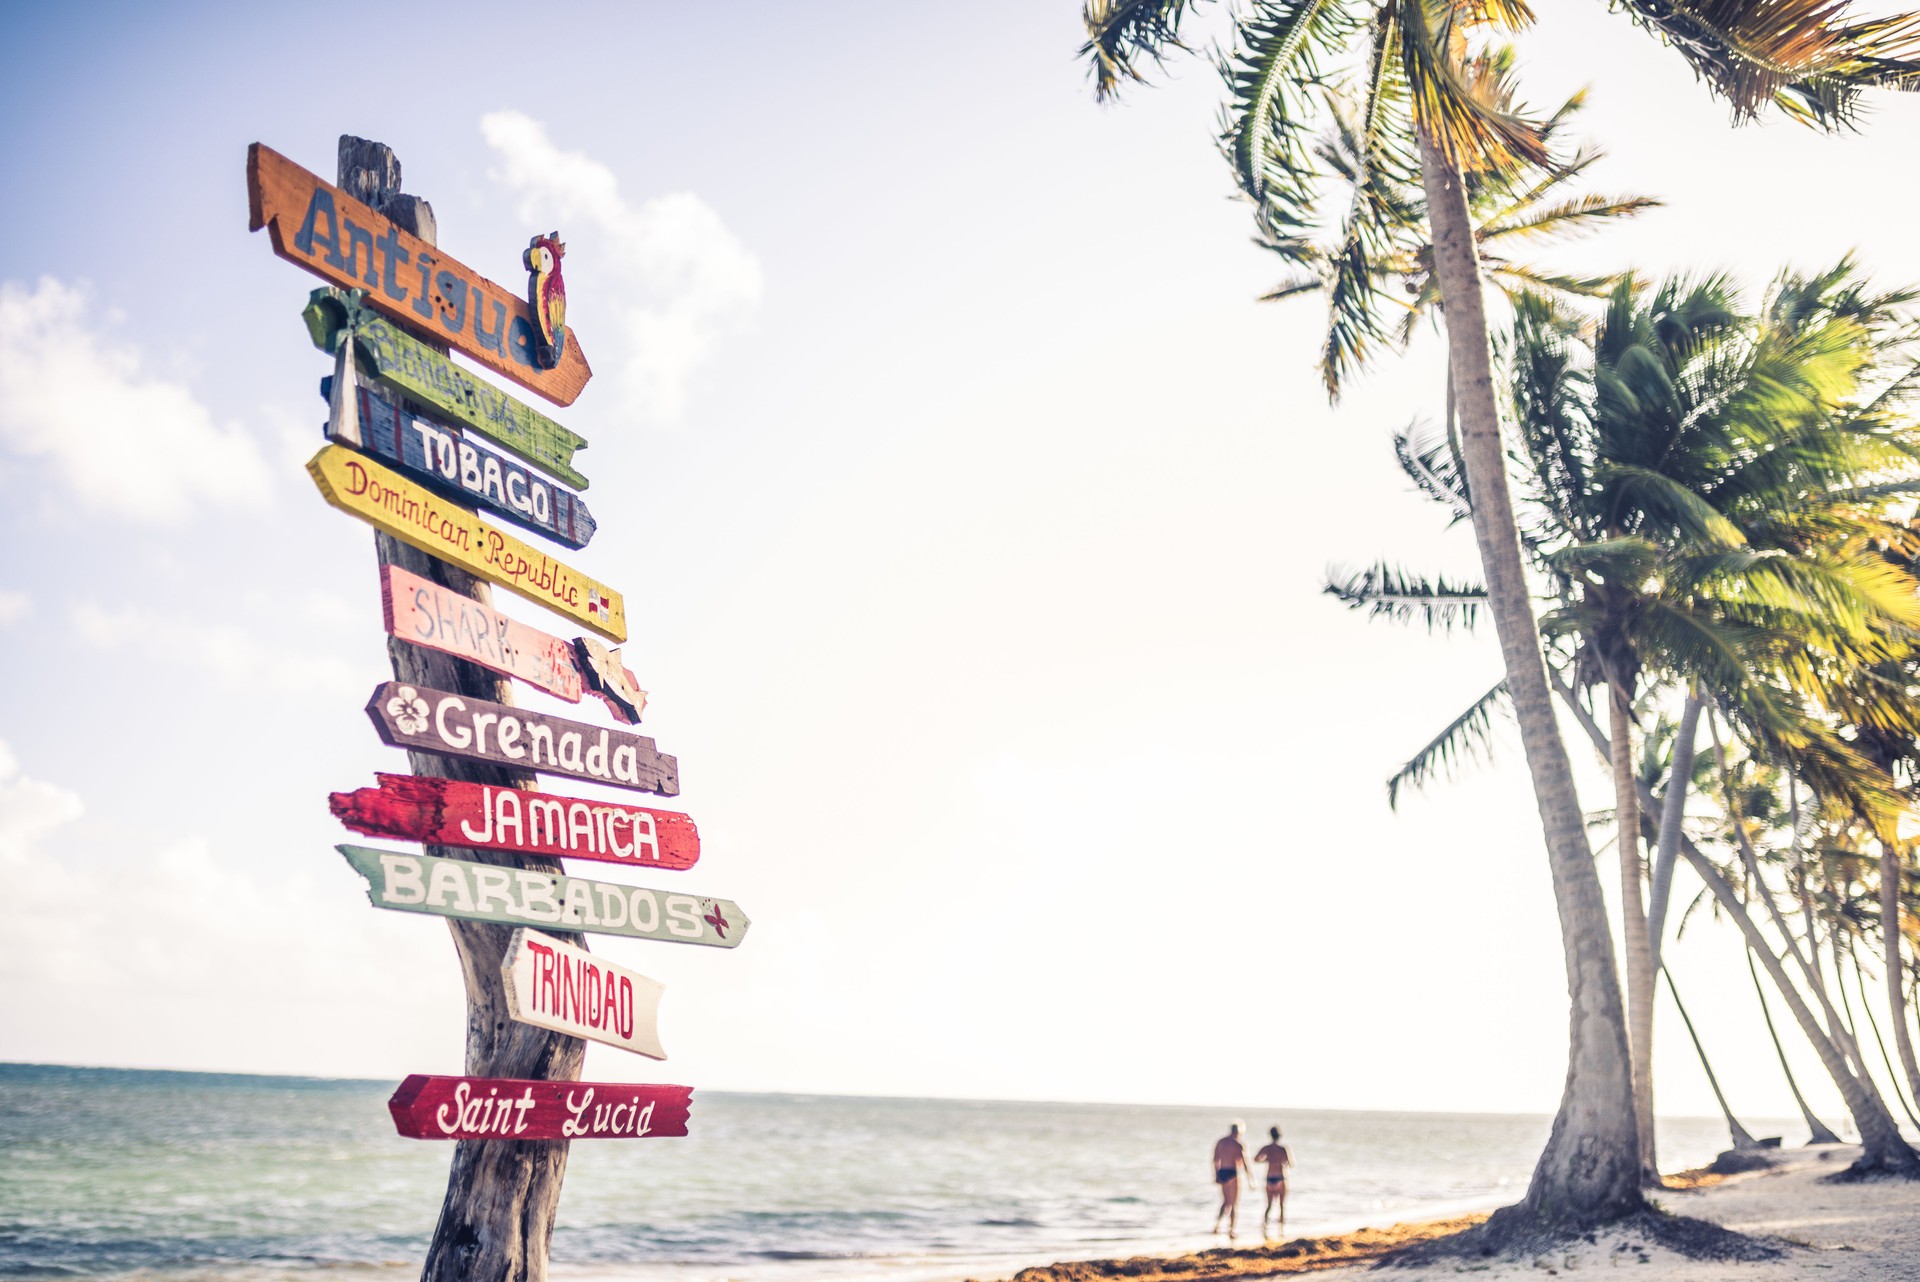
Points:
552	901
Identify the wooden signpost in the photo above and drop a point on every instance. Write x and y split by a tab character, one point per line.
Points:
409	367
447	812
452	725
531	999
442	528
482	1108
323	229
551	984
422	612
449	462
521	897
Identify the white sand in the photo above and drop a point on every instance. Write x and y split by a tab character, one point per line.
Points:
1838	1232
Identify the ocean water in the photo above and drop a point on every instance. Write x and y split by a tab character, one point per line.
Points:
174	1176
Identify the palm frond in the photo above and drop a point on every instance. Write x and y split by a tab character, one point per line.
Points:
1385	590
1565	219
1293	287
1800	55
1123	34
1464	106
1513	279
1430	463
1274	64
1381	167
1467	738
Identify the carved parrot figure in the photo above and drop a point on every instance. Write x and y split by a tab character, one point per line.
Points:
547	295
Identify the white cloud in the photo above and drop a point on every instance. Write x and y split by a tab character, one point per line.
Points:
690	280
125	441
14	606
170	957
230	652
35	913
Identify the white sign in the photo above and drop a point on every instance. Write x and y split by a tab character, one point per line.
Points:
554	985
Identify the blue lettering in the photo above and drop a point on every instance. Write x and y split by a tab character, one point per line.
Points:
423	304
320	204
496	341
357	237
394	257
422	609
520	342
453	298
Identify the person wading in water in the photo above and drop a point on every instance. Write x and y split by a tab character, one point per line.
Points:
1277	1159
1229	1160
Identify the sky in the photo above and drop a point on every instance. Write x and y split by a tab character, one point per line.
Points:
971	516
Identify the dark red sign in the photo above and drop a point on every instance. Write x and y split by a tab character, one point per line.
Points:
448	812
507	1108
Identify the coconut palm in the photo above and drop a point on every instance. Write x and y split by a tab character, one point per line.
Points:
1681	458
1683	464
1430	105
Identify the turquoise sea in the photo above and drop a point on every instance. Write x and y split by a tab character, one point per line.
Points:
109	1173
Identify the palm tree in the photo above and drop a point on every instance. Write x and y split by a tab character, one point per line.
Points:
1693	501
1429	103
1679	455
1680	494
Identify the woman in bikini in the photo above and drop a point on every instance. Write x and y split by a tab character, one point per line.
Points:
1277	1159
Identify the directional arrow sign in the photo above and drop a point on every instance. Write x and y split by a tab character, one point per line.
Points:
422	612
448	812
554	985
526	897
319	227
454	725
440	527
508	1108
447	461
387	352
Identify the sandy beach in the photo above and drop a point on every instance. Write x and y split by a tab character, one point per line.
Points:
1836	1232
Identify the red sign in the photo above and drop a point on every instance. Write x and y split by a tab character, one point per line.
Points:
448	812
496	1108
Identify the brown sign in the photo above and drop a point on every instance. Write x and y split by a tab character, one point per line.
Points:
454	725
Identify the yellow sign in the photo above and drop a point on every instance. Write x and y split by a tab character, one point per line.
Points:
440	527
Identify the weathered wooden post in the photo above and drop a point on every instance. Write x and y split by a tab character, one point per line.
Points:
496	1223
415	451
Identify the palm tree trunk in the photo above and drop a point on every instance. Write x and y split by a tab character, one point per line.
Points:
1741	1137
1818	1132
1633	920
1589	1171
1809	964
1896	968
1848	1034
1673	811
1866	1008
1882	1148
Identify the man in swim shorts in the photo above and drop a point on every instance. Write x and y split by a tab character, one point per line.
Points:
1276	1157
1229	1161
